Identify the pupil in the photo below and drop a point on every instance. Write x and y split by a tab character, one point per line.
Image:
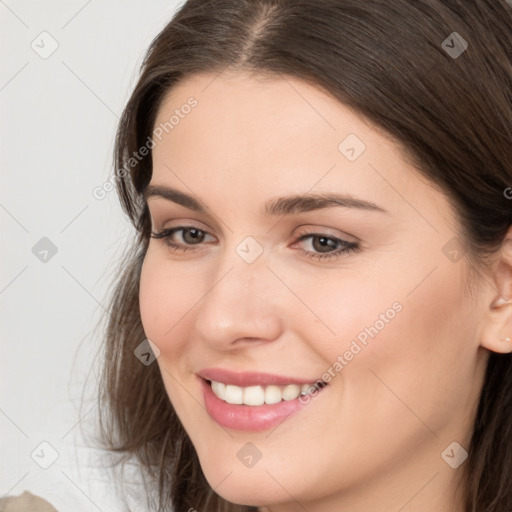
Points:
324	243
194	234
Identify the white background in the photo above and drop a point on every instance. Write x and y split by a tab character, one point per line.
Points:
58	119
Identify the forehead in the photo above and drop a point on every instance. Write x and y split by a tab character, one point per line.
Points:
233	100
279	134
260	121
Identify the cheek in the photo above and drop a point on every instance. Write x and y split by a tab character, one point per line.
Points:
341	311
395	332
166	296
166	299
419	361
389	312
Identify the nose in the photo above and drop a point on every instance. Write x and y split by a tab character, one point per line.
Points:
240	306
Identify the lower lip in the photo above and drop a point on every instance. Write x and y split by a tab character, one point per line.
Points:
247	417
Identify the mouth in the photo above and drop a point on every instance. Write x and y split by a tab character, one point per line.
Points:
259	395
255	401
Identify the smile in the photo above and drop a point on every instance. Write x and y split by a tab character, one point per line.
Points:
259	395
255	401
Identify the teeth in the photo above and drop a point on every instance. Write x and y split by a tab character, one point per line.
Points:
259	395
234	394
291	391
305	389
219	389
273	395
253	395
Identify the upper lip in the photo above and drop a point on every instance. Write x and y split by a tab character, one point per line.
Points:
244	379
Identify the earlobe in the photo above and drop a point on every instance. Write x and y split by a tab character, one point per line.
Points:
497	334
497	331
501	301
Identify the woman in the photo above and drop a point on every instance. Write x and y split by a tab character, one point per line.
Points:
316	314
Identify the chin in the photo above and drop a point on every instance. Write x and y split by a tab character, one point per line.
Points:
245	486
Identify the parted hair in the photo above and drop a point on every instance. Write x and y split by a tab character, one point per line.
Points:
388	61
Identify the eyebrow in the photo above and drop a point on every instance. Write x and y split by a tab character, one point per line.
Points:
276	206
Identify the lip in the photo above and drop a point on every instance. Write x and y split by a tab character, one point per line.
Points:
245	379
246	417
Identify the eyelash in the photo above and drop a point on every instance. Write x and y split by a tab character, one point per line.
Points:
346	247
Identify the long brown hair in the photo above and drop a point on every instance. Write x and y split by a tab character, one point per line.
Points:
389	61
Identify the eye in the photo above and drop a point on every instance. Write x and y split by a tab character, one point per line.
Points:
322	246
326	246
190	235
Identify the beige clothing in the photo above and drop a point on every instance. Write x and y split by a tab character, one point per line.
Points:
26	502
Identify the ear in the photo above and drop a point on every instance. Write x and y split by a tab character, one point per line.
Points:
497	330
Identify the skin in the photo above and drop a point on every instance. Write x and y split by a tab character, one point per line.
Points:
373	438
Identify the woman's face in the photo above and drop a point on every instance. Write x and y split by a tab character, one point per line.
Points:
272	285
